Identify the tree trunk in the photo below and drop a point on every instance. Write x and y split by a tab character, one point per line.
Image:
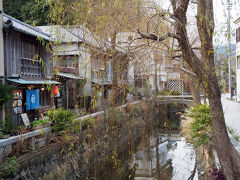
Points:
115	70
228	155
195	90
156	77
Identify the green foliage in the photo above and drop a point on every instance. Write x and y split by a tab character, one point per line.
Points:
82	100
61	119
234	134
5	94
168	92
88	123
201	127
1	135
8	125
31	12
8	168
42	121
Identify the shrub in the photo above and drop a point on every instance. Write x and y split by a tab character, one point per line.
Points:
8	168
175	93
42	121
164	92
8	126
87	123
5	94
201	127
168	92
61	119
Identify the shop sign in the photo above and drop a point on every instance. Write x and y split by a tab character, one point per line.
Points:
32	99
17	101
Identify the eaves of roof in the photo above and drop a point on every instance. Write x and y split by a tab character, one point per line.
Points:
25	28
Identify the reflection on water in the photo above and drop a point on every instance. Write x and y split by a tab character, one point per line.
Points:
163	158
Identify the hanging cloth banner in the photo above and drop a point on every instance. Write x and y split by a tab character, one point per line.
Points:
32	99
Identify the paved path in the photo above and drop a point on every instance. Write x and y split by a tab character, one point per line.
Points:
232	114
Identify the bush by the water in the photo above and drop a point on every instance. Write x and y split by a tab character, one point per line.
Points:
168	92
201	127
60	118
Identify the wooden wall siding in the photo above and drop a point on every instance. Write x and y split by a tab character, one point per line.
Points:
48	64
19	52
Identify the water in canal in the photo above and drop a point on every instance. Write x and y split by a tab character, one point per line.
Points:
163	157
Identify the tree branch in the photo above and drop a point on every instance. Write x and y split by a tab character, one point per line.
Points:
154	37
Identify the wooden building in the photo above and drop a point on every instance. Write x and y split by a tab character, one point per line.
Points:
28	66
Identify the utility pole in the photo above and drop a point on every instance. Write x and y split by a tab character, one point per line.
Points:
229	50
2	74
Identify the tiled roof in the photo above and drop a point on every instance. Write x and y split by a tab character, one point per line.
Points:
58	33
25	28
76	34
90	38
85	35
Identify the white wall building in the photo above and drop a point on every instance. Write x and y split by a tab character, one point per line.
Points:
237	22
144	64
68	44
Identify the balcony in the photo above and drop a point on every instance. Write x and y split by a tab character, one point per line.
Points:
30	67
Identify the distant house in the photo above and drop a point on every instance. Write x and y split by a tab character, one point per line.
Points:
149	64
83	57
71	65
237	22
28	66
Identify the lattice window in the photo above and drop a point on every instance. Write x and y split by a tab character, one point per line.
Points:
175	85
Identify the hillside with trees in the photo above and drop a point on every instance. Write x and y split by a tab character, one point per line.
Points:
31	12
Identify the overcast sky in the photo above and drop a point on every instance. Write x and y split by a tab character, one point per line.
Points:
220	16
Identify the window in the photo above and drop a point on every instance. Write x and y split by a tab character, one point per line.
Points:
237	35
238	62
30	62
68	61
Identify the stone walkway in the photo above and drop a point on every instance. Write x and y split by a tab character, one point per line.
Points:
232	114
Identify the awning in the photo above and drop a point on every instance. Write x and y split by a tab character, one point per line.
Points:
23	81
68	75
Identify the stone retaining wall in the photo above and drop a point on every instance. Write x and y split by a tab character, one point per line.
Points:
7	145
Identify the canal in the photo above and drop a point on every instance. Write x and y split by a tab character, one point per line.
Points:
163	157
